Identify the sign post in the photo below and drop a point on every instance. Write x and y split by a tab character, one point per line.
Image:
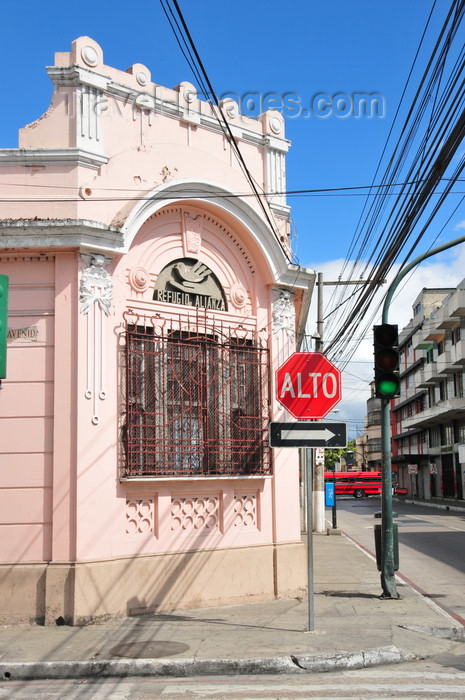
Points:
308	386
309	473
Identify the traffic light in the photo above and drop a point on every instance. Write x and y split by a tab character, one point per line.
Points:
3	323
387	382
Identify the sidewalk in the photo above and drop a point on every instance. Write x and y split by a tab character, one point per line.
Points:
353	629
438	503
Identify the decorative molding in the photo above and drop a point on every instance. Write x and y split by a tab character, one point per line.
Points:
95	297
139	516
139	279
89	55
194	515
192	233
96	285
28	258
88	112
246	511
59	233
234	239
284	313
239	296
52	156
171	103
276	177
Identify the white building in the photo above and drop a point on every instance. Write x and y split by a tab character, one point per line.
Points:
428	419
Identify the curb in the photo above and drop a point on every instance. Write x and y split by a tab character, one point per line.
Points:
457	508
318	663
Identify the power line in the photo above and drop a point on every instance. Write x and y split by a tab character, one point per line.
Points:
201	73
438	144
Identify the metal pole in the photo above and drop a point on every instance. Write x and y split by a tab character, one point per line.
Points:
334	512
319	321
318	469
388	579
309	470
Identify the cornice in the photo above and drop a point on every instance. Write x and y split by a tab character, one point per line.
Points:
51	156
82	234
148	100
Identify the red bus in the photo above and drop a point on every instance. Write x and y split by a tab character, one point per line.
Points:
356	484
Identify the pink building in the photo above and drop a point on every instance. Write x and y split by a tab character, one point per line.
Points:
152	297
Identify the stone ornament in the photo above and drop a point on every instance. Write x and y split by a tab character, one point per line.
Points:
96	286
275	125
238	296
284	313
95	297
142	78
193	229
139	279
89	56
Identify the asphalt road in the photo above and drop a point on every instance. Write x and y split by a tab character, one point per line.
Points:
431	546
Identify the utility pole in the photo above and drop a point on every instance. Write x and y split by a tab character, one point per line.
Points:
319	470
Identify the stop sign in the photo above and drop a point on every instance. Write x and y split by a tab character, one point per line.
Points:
308	385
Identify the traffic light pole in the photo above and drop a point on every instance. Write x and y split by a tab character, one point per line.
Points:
388	579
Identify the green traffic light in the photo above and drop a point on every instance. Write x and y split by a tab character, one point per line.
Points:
387	387
386	357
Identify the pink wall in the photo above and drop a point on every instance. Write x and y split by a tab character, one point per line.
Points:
116	175
26	404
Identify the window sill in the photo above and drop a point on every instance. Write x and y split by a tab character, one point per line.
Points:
234	477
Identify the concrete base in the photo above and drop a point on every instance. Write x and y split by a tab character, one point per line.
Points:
86	591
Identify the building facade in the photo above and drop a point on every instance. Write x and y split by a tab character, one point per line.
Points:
371	439
151	300
428	419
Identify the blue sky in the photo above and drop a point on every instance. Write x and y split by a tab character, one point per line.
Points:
297	50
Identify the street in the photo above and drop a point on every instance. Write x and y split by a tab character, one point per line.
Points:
431	546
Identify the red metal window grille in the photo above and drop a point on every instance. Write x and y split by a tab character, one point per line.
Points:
197	401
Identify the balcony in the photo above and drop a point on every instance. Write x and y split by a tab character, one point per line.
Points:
431	331
456	304
444	363
457	353
442	412
428	375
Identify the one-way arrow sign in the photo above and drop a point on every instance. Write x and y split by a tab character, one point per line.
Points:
306	434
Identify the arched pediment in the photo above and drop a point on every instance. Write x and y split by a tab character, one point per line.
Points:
237	213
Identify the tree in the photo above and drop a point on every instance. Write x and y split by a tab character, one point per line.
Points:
334	455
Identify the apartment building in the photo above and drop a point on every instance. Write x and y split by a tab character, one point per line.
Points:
428	419
370	443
